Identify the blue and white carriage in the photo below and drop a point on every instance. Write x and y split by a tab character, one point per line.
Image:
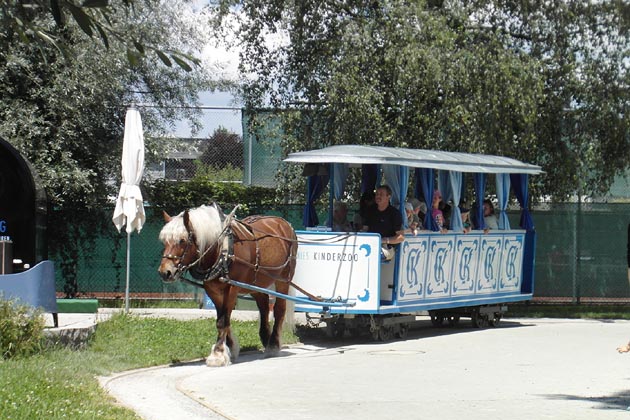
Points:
447	274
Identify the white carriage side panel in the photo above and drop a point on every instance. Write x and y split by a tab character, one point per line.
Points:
490	263
511	263
466	265
438	283
414	264
340	267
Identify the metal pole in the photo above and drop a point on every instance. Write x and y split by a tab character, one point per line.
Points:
578	255
127	279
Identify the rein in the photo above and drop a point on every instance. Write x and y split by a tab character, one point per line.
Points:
221	266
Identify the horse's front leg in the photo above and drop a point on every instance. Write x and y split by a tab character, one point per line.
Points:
226	349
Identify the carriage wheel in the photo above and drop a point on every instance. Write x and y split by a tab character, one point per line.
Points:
402	332
479	320
436	319
453	320
385	333
496	319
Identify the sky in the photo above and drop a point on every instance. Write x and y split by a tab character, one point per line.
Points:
223	112
224	62
223	58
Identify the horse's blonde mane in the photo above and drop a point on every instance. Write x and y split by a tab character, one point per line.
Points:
206	222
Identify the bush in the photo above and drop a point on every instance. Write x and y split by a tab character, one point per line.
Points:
174	196
21	329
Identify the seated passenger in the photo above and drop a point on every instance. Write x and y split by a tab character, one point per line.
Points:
412	219
489	218
365	204
420	210
385	220
466	219
436	213
340	220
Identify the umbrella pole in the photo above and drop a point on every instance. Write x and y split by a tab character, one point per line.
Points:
127	279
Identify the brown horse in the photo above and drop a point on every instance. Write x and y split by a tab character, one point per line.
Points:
215	249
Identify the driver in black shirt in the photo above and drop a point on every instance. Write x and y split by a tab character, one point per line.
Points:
385	220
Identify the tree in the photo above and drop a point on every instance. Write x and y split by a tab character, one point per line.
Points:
224	148
67	116
546	82
96	18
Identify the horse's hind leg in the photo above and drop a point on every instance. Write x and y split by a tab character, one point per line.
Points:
262	301
279	311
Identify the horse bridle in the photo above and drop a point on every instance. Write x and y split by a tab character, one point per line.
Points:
220	265
179	267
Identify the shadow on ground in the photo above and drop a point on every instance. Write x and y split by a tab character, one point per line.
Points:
616	401
419	329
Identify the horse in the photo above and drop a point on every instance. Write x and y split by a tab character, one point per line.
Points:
216	250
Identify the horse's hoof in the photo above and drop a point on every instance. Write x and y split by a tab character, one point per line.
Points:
219	358
624	349
212	361
272	351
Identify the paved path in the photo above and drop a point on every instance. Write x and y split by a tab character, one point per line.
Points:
524	369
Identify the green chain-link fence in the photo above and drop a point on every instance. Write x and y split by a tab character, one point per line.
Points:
580	256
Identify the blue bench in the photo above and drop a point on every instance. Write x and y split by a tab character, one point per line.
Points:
35	287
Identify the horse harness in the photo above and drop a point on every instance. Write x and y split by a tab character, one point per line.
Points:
233	231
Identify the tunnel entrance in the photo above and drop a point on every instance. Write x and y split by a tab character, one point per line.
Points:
23	208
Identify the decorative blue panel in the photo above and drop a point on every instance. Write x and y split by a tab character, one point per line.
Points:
414	261
490	263
440	266
512	261
466	266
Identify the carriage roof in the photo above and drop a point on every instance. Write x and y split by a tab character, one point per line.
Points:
355	155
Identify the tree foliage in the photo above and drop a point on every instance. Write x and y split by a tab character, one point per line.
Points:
224	149
96	18
67	116
545	82
175	196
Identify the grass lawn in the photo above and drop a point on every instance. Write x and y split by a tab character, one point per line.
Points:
61	383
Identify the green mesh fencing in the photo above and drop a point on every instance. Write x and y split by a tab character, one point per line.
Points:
580	256
581	252
262	152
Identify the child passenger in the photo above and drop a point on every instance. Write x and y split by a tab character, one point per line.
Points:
436	213
466	219
413	222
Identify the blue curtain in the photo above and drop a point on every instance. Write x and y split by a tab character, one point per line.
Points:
340	177
417	188
519	186
425	178
444	185
480	190
315	186
369	177
396	177
455	179
503	194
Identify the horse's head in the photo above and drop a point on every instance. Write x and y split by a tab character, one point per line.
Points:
186	237
180	246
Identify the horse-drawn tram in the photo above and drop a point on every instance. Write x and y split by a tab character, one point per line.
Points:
459	272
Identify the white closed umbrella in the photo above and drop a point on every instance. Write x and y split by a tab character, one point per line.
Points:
129	206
